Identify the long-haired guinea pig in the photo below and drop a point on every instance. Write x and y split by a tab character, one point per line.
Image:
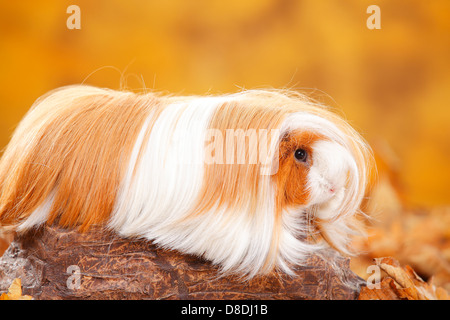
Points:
239	179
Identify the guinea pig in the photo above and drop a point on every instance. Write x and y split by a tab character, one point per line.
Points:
253	181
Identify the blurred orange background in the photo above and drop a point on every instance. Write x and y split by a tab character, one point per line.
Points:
393	83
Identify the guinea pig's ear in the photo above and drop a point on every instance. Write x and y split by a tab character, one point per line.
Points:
284	146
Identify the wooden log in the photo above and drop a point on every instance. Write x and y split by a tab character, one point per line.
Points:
55	263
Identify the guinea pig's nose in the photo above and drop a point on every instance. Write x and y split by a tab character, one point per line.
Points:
332	189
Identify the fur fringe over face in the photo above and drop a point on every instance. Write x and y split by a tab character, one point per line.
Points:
242	180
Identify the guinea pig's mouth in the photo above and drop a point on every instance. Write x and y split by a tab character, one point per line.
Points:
328	197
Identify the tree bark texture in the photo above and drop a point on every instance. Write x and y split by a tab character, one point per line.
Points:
54	263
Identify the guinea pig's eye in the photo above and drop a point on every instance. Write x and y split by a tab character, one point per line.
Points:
301	155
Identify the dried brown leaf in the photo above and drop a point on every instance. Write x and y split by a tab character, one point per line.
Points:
15	292
384	292
402	282
395	271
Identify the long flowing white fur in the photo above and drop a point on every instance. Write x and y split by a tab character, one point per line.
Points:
155	202
159	192
163	189
294	247
237	241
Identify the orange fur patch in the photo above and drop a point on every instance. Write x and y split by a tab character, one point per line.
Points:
80	154
232	184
